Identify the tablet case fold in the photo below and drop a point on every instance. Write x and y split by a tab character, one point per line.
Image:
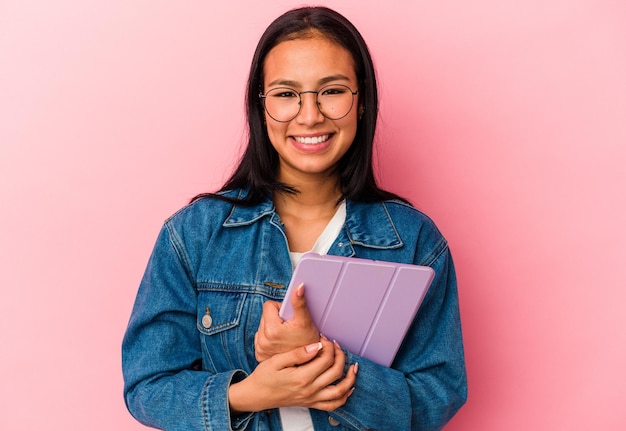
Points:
366	305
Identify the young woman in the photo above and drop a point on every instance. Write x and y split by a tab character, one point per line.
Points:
205	348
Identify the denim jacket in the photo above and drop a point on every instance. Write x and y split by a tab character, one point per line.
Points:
224	261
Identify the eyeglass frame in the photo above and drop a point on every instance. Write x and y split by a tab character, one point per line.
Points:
317	103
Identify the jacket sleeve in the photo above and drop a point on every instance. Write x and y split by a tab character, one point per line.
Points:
426	384
163	385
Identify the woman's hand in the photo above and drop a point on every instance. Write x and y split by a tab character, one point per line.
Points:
276	335
309	376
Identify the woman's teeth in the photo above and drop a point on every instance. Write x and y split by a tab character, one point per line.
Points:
311	140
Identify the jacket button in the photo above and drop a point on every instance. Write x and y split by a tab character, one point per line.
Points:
333	422
207	320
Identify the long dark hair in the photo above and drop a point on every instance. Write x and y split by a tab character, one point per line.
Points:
258	167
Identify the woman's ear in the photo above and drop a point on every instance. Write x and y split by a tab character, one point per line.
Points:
361	111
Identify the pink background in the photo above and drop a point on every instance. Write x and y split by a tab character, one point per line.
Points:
503	120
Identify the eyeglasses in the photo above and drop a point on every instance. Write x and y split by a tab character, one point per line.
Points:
283	104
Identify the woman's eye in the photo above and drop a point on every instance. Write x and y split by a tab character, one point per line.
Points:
333	90
284	94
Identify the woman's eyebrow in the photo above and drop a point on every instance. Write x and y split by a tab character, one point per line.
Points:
283	83
332	78
295	84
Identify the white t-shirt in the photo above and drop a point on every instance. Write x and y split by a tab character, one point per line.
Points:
299	418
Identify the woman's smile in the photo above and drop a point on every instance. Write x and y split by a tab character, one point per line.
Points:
312	144
308	140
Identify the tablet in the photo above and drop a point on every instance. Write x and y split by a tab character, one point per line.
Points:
366	305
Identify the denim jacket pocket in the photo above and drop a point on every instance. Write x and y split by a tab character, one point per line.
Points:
218	321
219	311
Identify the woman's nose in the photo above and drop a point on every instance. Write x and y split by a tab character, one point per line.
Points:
309	110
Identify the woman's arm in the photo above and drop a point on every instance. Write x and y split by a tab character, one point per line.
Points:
427	382
161	349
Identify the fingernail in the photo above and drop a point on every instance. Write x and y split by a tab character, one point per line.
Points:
356	368
337	344
315	347
300	290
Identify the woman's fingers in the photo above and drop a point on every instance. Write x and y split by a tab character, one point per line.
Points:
308	376
301	322
266	341
321	381
334	387
334	396
277	336
298	301
304	355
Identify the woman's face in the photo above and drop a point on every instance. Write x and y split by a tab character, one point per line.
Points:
310	145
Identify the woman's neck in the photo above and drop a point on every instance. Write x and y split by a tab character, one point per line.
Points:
305	214
313	199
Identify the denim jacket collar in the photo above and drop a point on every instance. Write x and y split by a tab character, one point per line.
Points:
367	224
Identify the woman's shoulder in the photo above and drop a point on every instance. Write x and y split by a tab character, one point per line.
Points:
405	214
203	211
399	212
405	208
413	228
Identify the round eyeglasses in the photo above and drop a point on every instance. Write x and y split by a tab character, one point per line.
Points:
283	104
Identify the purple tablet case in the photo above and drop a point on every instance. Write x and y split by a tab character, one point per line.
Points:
366	305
